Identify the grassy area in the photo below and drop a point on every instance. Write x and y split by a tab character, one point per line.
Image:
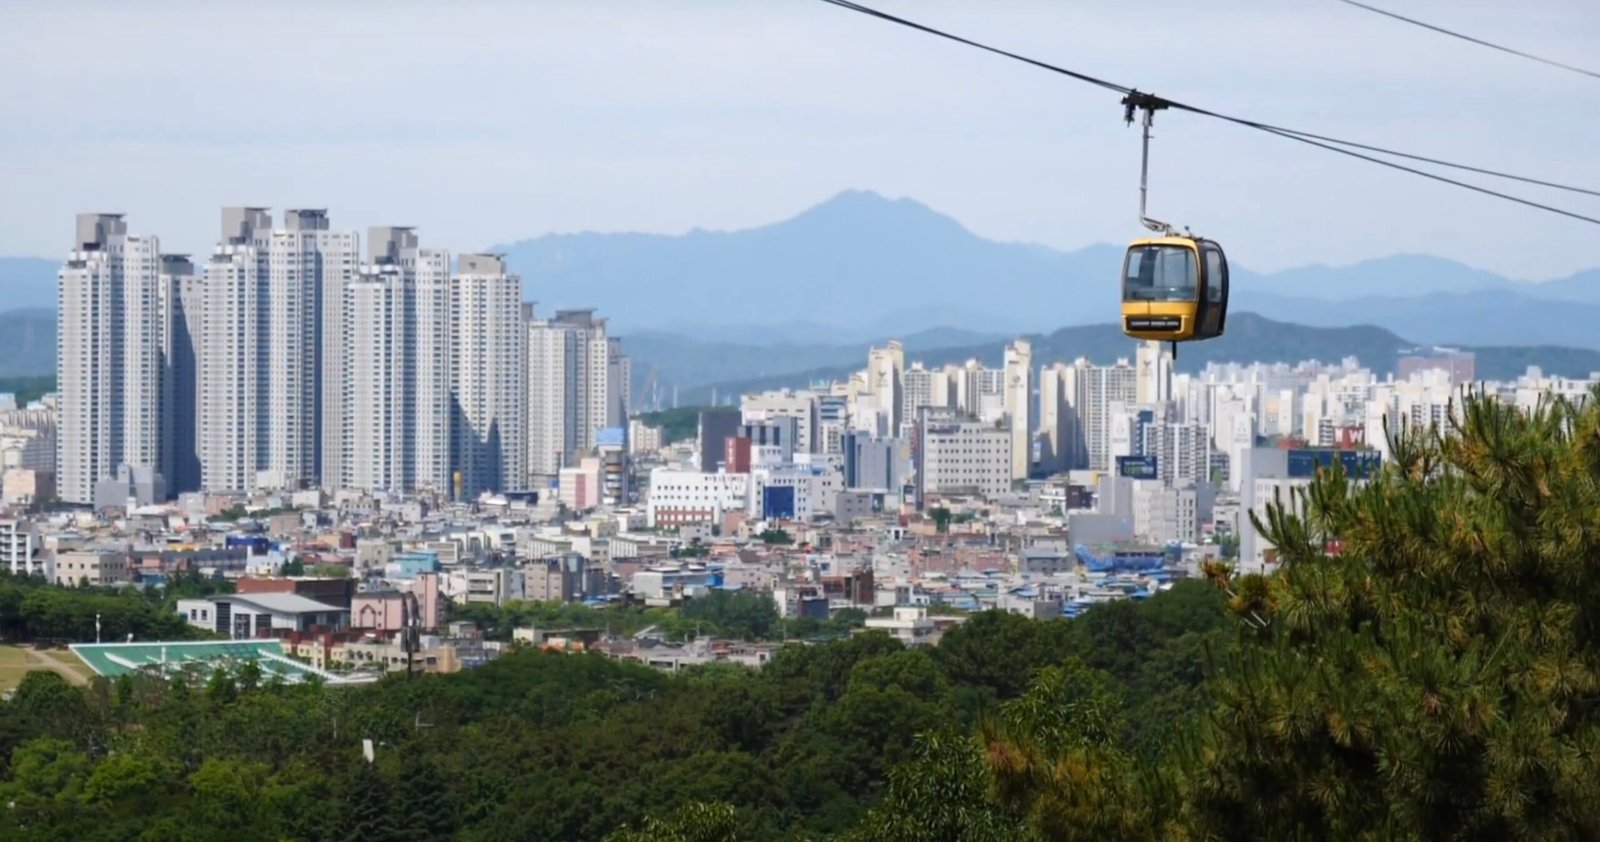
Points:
13	666
16	662
66	658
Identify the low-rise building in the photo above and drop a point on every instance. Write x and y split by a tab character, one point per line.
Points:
253	616
20	553
909	625
91	567
681	497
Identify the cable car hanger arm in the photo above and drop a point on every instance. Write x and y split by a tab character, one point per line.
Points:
1149	104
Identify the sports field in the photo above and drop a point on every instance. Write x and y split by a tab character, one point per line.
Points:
17	661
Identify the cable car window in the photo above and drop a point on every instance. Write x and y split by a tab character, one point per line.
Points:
1216	274
1160	273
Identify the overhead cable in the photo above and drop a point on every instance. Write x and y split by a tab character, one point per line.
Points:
1332	144
1479	41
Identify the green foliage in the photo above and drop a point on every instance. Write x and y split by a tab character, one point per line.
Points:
31	609
694	822
738	615
367	811
941	519
693	550
28	389
826	740
734	614
775	536
1436	678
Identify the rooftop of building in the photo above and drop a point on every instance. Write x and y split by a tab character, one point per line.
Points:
176	657
283	603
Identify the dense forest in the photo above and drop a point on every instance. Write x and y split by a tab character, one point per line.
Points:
559	746
1422	666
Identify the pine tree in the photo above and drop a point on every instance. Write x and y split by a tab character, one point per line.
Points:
427	807
1424	664
367	816
1437	677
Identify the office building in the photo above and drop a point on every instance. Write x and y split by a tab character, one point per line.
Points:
800	406
1270	475
957	454
716	426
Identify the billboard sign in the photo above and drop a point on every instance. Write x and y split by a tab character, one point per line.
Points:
1137	467
1357	464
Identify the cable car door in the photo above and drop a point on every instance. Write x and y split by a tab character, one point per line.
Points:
1214	303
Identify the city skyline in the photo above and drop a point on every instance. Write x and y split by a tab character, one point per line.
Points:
289	361
799	100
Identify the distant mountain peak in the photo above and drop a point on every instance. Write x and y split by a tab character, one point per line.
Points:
856	209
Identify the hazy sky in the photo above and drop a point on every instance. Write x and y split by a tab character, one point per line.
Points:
482	122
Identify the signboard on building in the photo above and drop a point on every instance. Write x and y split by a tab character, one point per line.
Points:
777	502
1136	467
1358	464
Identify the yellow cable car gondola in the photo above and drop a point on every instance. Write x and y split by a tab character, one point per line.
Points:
1174	289
1174	286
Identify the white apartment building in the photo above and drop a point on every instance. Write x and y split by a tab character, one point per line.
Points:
377	422
886	383
1163	514
679	497
20	553
394	412
109	335
1182	451
918	389
1154	363
643	438
183	292
1060	432
264	358
577	385
431	389
489	368
397	346
1018	386
28	439
959	455
233	343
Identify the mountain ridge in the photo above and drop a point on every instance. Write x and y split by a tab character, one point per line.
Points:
860	253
